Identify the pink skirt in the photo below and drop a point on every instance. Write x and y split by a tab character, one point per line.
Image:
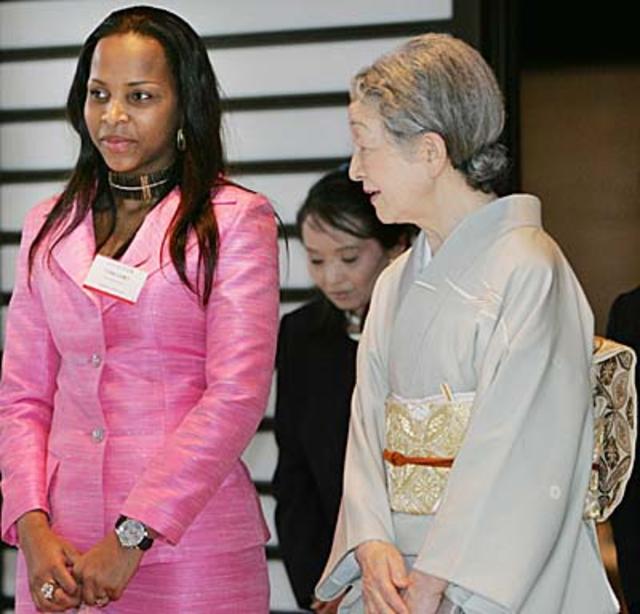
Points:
229	582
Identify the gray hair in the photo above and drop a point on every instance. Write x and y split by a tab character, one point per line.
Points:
438	83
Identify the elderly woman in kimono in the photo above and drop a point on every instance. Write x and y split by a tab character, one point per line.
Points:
471	433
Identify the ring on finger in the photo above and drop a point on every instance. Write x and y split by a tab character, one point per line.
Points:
48	589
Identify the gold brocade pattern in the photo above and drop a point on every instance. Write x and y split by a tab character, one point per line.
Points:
434	427
615	406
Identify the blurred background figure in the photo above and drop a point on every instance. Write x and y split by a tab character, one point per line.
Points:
624	326
347	248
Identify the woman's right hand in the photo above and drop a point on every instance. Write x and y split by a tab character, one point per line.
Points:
49	558
384	576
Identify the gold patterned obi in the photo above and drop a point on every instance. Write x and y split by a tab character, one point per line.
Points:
615	426
422	438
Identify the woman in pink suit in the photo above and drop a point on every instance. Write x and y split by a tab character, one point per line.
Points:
139	347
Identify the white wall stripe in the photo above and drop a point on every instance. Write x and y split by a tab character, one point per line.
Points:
309	68
44	22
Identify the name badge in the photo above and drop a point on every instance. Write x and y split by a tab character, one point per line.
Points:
117	280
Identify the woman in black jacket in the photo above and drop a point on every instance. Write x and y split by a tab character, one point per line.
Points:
347	248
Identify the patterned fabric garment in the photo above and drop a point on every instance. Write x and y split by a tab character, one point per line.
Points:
615	426
431	427
434	429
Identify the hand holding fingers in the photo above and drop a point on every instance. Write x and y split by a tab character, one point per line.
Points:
52	587
48	596
105	570
62	573
94	595
383	577
424	593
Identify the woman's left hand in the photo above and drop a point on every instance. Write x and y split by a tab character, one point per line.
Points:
424	593
105	570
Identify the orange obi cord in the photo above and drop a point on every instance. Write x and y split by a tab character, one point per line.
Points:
398	459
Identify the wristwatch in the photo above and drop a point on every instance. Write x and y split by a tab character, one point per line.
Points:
133	534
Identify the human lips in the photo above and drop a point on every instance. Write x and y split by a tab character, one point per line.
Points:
116	144
371	193
340	297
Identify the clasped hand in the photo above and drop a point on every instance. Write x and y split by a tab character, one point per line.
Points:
96	577
387	588
104	571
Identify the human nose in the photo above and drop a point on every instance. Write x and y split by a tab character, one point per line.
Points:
333	274
114	112
355	168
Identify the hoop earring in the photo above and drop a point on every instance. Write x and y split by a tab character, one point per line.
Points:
181	140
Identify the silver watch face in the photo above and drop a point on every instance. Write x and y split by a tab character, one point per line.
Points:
131	532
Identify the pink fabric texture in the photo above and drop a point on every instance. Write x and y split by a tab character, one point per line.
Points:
108	408
222	587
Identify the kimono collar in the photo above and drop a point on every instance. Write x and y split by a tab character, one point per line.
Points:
473	236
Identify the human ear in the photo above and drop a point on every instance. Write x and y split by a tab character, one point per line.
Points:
433	150
401	246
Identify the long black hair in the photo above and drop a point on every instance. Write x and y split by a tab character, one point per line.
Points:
200	168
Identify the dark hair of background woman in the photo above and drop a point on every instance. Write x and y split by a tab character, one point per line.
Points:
199	169
338	202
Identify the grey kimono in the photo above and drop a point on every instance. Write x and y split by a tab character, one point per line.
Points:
498	321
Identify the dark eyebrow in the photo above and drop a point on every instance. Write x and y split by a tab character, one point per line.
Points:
130	84
136	83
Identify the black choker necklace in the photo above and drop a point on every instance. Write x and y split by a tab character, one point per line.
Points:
142	187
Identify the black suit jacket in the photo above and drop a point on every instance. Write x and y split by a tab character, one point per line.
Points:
315	378
624	326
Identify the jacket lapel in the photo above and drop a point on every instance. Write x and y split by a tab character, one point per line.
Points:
144	253
148	250
75	254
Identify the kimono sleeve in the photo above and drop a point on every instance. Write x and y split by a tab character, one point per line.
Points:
515	495
364	511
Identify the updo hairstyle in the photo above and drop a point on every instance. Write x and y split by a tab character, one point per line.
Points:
438	83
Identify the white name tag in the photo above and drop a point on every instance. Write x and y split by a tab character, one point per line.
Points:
117	280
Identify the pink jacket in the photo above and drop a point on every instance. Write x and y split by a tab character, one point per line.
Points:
108	408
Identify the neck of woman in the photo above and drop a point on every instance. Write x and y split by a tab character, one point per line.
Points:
451	202
138	191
